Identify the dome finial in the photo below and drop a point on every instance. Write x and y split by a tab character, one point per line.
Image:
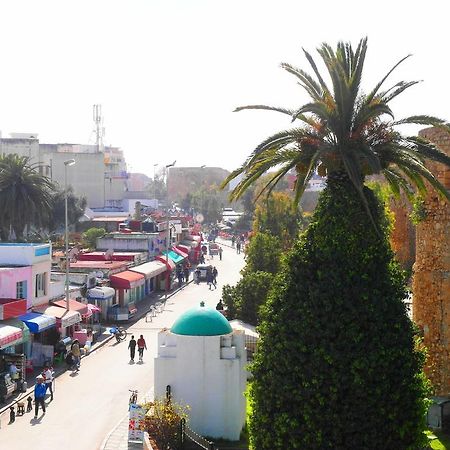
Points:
202	304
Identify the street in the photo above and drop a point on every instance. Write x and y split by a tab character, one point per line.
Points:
87	405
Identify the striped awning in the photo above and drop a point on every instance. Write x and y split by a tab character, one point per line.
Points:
9	335
37	322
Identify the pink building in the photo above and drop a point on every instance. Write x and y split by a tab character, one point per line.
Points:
25	272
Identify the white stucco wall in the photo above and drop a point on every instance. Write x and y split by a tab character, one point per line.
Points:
208	374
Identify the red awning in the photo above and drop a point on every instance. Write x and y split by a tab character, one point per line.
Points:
12	307
126	280
73	306
184	248
169	263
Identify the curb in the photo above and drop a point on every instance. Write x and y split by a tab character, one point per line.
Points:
59	372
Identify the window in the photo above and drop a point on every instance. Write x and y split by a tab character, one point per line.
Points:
40	288
21	289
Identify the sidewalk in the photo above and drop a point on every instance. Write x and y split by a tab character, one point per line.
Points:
142	308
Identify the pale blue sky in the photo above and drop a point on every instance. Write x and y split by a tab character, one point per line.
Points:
169	73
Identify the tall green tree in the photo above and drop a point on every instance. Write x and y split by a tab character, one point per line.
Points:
278	215
347	135
25	195
75	209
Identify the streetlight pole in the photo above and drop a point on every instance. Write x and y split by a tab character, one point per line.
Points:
167	229
154	182
69	162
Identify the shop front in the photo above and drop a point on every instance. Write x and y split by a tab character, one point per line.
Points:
42	329
103	297
66	320
129	286
166	279
152	271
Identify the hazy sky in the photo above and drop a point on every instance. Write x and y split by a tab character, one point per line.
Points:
169	73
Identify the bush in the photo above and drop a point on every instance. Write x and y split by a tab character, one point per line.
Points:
245	299
163	423
91	235
336	366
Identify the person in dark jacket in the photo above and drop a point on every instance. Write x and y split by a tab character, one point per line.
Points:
209	278
39	395
132	347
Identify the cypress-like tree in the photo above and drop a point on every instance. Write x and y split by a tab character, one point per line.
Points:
336	366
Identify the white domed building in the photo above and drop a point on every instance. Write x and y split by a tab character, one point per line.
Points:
203	361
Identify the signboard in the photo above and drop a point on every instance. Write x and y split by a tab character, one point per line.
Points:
137	413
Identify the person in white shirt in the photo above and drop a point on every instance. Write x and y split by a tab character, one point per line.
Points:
48	375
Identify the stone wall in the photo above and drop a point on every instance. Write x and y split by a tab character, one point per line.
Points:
403	235
431	284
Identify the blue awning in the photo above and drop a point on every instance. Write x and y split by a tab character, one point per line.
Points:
38	322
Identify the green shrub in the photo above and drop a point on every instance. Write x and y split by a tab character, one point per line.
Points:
337	367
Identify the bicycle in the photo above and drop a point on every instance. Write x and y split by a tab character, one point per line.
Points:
119	333
133	397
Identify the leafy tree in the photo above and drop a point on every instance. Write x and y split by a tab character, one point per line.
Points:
25	195
91	235
75	209
263	254
244	300
157	187
277	215
336	353
336	367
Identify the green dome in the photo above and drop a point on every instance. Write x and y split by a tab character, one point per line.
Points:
201	321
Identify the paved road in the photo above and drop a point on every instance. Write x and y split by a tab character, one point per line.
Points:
89	404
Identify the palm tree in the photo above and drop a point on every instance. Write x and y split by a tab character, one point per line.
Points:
336	365
343	131
25	195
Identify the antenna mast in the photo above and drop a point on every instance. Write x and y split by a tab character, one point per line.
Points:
99	130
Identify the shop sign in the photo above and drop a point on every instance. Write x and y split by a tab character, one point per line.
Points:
136	418
71	319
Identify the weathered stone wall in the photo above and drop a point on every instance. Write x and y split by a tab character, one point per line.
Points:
431	285
403	235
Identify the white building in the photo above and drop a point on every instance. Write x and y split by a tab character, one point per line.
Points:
203	361
100	176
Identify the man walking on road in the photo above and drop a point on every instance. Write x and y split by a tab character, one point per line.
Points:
132	347
39	395
48	376
141	346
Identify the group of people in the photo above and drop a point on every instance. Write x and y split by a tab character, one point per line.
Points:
182	274
211	277
141	345
239	242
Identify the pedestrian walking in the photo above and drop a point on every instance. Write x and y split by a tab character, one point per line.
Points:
209	278
39	395
238	246
132	347
214	277
76	352
186	274
48	378
233	240
220	253
141	346
197	276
